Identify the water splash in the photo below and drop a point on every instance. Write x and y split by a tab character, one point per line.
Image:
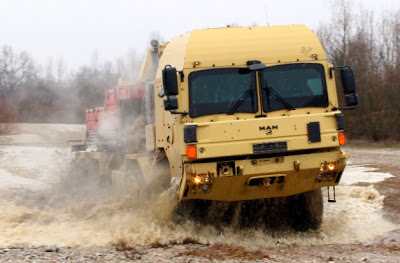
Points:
87	214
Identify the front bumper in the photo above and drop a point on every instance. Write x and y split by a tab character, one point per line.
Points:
251	179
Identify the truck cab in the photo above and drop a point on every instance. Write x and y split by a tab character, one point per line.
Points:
246	113
239	119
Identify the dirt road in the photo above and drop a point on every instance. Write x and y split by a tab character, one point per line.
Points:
46	215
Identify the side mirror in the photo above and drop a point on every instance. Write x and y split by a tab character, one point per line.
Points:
170	80
348	80
352	100
171	103
349	86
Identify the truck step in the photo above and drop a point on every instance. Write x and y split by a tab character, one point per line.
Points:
333	200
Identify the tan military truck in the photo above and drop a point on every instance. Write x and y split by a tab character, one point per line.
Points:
241	114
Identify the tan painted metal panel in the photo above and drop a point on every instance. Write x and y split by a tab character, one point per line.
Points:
235	45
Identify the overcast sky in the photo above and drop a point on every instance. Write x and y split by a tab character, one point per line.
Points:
73	29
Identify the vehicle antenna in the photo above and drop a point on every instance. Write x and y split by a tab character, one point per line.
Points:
266	12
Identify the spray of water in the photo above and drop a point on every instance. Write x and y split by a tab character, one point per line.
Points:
77	209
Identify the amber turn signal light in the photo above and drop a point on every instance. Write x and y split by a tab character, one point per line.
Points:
342	139
331	167
197	179
191	151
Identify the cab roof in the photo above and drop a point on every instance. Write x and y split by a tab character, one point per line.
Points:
234	46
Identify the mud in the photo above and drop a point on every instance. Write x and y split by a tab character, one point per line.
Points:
42	204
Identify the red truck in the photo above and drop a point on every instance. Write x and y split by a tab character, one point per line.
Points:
105	126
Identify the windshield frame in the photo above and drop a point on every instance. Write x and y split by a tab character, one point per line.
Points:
319	101
204	109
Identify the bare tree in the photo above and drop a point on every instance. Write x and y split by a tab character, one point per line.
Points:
129	65
371	45
15	68
337	33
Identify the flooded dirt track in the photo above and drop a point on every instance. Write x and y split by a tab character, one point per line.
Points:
47	214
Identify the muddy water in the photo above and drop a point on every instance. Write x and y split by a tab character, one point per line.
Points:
41	205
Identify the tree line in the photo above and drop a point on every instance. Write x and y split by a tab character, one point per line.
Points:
369	43
50	94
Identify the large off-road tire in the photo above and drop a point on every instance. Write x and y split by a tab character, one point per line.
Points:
306	210
194	210
216	213
250	214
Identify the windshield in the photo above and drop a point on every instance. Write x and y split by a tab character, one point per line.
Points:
293	86
225	90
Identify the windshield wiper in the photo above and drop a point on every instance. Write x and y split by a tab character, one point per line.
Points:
239	102
278	97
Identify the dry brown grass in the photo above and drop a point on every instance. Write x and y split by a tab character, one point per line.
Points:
189	240
158	244
223	252
185	241
122	245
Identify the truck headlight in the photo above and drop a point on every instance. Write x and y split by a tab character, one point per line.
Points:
207	178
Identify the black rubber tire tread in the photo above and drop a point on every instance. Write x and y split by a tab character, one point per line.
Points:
196	210
306	210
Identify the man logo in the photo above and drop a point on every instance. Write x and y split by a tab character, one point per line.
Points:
268	129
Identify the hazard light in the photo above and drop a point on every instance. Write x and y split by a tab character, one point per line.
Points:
342	138
191	151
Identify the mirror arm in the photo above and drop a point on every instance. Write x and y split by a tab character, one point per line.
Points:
161	93
344	108
182	75
331	69
179	112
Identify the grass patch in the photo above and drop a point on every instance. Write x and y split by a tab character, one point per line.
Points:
224	252
158	244
130	252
